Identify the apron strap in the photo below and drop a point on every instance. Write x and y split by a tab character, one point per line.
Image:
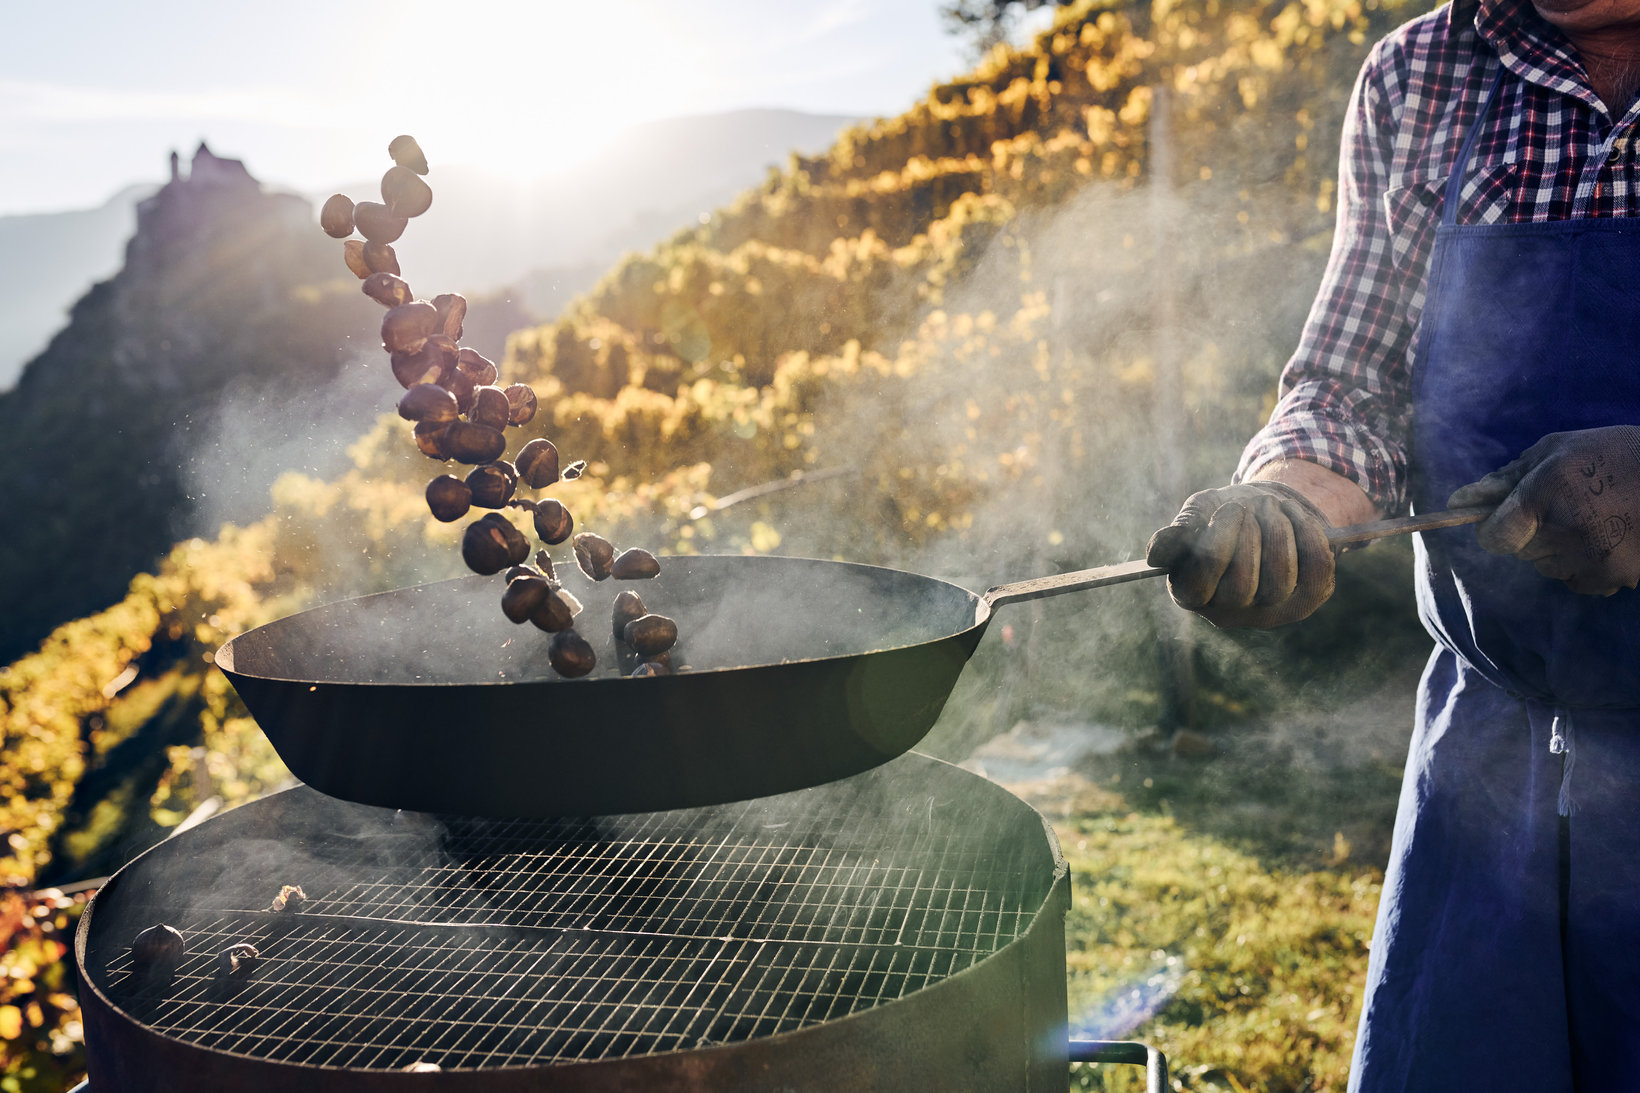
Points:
1454	184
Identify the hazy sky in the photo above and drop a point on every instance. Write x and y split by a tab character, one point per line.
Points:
94	94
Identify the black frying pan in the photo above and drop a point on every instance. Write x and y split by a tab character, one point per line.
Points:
799	672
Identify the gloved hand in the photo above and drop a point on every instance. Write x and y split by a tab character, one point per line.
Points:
1568	506
1249	555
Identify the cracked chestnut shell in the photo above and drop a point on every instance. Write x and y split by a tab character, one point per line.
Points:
492	484
489	408
476	367
553	522
538	463
452	312
388	289
522	402
594	554
491	544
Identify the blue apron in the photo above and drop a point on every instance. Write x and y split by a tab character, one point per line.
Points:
1507	951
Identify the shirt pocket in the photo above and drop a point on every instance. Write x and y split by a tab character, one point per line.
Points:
1413	210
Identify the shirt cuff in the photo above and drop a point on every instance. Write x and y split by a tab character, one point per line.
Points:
1314	435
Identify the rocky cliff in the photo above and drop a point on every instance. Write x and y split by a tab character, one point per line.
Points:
227	292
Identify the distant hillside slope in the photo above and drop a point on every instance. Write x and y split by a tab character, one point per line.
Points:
47	260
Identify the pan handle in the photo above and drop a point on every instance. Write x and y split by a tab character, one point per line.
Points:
1040	587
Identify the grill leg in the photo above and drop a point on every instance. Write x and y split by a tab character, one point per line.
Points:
1124	1051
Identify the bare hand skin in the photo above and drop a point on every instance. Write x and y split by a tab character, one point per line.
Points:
1256	554
1568	506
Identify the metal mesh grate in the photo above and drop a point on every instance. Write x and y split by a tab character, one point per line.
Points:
471	943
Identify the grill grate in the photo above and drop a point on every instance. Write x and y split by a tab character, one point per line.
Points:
473	943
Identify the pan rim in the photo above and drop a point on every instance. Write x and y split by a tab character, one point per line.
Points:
224	657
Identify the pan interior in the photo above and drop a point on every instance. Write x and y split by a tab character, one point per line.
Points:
479	943
731	612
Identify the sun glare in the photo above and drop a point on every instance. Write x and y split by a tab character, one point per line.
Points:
530	89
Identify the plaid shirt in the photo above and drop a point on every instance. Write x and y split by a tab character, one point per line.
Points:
1548	151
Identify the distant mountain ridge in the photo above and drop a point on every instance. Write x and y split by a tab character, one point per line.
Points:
551	237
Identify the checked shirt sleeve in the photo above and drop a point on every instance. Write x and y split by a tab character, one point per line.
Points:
1345	393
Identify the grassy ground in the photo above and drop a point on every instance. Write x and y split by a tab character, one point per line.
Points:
1223	906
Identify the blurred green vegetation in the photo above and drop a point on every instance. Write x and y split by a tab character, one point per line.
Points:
956	312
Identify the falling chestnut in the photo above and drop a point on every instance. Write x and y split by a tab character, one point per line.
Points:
538	463
379	258
448	498
635	564
405	328
489	408
491	544
492	484
553	523
452	312
571	654
353	255
628	606
522	401
476	367
650	635
594	554
524	596
427	402
388	289
473	444
377	223
336	217
404	151
404	193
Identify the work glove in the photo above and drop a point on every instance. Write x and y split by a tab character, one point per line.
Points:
1249	555
1568	506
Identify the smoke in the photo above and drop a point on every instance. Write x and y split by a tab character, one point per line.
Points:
230	456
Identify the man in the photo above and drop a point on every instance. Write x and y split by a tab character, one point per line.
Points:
1475	342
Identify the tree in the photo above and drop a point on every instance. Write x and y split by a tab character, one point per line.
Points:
987	22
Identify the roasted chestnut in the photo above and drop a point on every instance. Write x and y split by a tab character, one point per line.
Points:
524	597
290	898
377	223
538	463
492	484
388	289
427	402
635	564
430	437
404	151
379	258
237	958
553	523
404	193
159	946
594	554
522	402
571	654
476	367
452	312
489	408
336	217
491	544
650	635
448	498
405	328
470	443
628	606
353	255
